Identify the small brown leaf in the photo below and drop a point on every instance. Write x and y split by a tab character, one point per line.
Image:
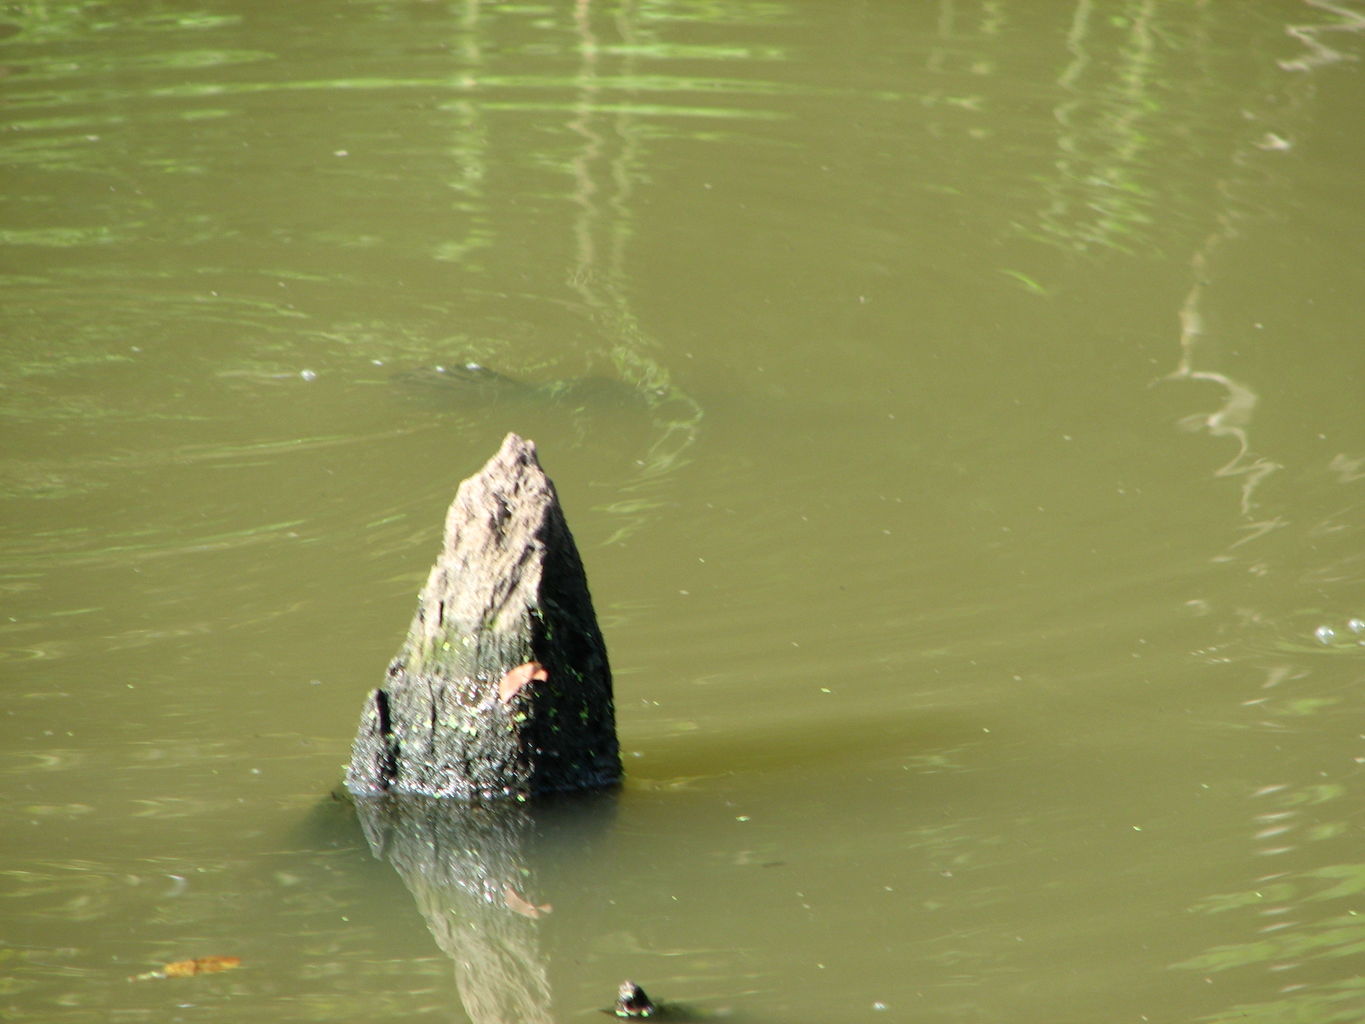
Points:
525	908
189	968
514	679
201	965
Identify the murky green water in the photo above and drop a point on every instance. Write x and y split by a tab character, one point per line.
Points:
967	453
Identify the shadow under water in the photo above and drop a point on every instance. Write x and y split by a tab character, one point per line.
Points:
475	384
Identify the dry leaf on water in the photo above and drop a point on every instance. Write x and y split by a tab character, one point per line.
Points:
515	678
514	901
187	968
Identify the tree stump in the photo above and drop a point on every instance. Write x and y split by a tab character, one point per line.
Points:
502	688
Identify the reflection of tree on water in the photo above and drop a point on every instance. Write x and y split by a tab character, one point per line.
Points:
1315	36
472	870
1300	911
604	173
506	202
1233	418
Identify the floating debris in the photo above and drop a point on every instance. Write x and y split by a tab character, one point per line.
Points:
513	900
188	968
631	1001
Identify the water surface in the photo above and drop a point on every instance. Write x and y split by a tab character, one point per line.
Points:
958	408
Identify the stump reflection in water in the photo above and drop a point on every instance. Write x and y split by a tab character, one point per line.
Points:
472	870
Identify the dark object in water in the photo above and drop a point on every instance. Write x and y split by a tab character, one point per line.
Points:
475	383
631	1001
473	374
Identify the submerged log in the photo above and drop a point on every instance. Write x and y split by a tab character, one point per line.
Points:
502	688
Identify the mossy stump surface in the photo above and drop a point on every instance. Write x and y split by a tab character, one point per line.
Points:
502	688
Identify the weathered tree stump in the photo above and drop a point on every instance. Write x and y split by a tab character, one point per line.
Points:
502	688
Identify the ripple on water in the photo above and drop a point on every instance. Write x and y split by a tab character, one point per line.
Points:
27	762
1303	916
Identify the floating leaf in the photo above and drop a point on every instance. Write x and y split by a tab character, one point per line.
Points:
188	968
515	678
514	901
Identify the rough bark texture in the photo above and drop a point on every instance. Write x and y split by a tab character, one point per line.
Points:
502	688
